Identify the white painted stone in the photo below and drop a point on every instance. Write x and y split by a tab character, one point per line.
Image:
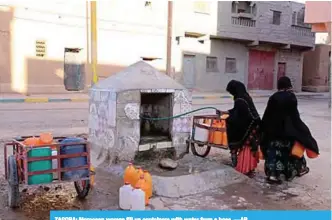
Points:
163	145
132	110
144	147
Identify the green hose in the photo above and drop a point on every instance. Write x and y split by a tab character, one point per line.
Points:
178	116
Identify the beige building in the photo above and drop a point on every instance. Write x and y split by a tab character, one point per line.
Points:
213	42
316	69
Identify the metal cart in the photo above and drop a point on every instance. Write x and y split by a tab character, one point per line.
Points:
17	173
202	148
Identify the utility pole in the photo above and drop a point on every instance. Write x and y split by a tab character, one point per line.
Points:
87	66
169	38
94	60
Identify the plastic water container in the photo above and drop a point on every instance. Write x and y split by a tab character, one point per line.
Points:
148	180
73	162
139	172
201	134
137	199
124	196
40	166
55	164
129	174
142	184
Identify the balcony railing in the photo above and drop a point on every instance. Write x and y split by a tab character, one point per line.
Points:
302	31
243	22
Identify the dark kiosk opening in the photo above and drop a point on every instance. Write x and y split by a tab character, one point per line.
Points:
155	105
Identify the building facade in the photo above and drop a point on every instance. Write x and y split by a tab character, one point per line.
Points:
255	42
213	42
316	69
318	75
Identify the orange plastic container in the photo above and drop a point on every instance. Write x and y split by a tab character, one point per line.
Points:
211	136
32	141
46	138
224	138
224	133
141	183
311	154
138	173
129	174
298	150
148	181
217	136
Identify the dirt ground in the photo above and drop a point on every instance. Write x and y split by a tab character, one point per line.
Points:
308	192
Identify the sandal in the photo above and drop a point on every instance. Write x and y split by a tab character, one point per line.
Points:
251	174
273	180
304	171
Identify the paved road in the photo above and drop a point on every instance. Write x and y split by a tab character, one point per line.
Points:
71	118
62	118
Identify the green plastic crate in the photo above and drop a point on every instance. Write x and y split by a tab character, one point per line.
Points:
40	166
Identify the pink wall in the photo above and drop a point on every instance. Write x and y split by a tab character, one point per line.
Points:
317	12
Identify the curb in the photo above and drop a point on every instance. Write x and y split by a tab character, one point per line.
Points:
41	100
197	97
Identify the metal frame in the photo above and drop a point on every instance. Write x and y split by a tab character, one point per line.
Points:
20	152
196	123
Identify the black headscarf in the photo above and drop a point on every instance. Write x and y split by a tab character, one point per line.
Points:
284	83
236	89
282	121
242	117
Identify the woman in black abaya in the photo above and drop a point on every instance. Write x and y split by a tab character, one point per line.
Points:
281	128
242	129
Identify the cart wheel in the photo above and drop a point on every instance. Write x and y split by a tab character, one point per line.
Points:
13	183
82	188
200	150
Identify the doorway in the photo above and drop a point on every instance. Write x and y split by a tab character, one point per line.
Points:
281	70
189	73
261	67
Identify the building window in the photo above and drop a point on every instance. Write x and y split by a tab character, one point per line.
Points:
300	17
276	17
148	4
230	65
212	64
202	7
294	18
40	48
244	7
